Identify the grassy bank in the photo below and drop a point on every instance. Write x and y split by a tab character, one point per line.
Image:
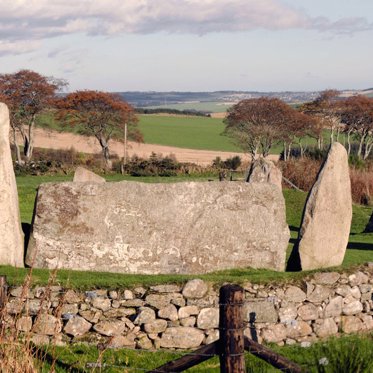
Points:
350	354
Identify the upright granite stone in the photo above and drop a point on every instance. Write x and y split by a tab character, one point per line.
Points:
11	236
326	222
264	171
144	228
83	175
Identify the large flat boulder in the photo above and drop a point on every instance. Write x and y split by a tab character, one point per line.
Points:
327	216
134	227
11	241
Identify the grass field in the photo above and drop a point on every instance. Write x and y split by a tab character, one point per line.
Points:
349	354
360	248
183	132
186	132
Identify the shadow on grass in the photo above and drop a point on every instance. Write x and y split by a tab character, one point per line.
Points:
359	246
294	228
26	228
44	356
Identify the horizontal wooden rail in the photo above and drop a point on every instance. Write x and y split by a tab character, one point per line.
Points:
271	357
189	360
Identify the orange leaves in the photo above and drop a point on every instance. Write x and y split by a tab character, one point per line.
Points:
100	114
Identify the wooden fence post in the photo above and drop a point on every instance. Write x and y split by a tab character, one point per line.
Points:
3	291
231	326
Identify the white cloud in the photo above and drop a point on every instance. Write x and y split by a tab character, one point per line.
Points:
18	47
25	20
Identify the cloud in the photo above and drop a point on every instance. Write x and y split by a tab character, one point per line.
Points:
32	20
18	47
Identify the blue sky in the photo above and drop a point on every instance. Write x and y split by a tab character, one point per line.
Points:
191	45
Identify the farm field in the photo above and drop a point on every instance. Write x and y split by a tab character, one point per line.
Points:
189	132
186	132
360	248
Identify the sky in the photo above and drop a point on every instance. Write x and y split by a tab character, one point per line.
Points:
191	45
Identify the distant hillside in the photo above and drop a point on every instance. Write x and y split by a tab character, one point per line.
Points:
164	99
218	101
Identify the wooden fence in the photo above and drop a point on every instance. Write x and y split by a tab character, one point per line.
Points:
231	345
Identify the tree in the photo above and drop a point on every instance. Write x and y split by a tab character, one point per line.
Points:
326	108
357	114
298	126
27	93
257	124
99	114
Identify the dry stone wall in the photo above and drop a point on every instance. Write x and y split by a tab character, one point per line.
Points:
187	316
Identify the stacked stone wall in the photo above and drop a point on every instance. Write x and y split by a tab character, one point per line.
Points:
187	316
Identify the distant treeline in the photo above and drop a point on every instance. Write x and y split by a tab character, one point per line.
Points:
172	111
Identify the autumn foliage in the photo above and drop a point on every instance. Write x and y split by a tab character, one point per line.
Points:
99	114
258	124
27	94
356	114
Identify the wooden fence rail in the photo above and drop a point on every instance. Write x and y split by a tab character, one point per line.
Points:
231	346
232	343
3	291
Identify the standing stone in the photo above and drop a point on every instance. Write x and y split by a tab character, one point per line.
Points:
326	222
132	227
83	175
264	171
11	242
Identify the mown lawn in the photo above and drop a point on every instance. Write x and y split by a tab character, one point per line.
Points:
360	248
349	354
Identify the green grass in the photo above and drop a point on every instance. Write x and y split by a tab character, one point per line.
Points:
349	354
186	132
192	132
360	248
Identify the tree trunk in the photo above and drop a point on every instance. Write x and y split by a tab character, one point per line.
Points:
29	140
285	152
368	147
338	132
332	135
301	149
18	152
359	152
349	143
105	151
319	142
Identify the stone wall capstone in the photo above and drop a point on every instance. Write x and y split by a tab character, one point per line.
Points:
134	227
11	241
166	316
